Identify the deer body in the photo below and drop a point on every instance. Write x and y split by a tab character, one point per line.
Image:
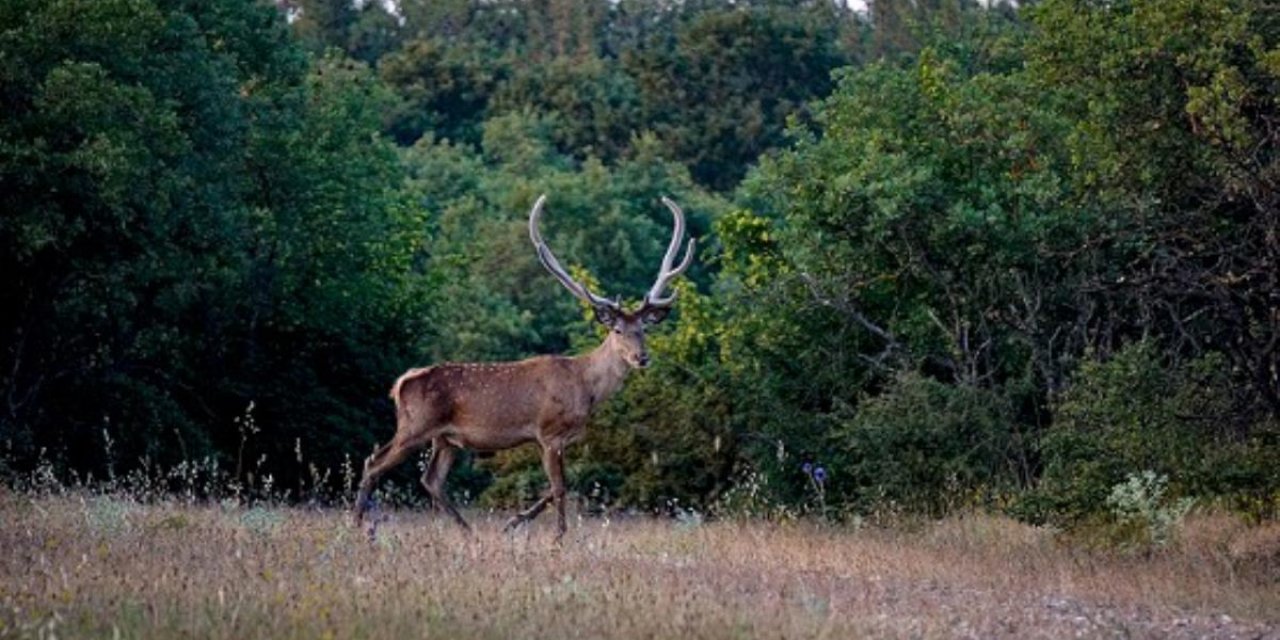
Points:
492	407
544	400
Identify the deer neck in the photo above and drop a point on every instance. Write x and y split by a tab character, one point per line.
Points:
604	370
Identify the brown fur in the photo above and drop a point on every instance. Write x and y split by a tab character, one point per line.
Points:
544	400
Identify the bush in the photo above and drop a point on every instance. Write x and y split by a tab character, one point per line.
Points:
926	445
1140	504
1138	410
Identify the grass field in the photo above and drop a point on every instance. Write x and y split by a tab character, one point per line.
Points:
93	566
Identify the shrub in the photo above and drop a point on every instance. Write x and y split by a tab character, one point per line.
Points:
1140	504
926	445
1139	410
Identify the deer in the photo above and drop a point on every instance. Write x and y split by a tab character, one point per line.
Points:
545	400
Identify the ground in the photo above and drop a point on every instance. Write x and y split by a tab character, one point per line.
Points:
94	566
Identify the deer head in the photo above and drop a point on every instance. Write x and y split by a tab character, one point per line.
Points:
626	328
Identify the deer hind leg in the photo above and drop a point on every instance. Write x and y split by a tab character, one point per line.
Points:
433	479
414	429
410	437
384	459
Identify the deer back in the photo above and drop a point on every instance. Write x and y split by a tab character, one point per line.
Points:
489	407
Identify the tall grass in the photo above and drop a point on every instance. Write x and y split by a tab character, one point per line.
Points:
78	564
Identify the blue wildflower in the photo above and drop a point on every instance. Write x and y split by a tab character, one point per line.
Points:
820	475
807	468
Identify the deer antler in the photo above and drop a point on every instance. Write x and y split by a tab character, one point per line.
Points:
666	274
549	261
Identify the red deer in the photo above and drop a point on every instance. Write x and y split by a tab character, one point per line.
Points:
545	400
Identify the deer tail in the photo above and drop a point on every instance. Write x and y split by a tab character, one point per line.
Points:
395	388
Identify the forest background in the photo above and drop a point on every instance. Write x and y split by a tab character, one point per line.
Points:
952	255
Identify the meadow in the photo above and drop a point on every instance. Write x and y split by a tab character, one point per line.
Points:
79	564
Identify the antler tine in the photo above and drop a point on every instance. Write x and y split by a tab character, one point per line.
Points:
549	261
666	274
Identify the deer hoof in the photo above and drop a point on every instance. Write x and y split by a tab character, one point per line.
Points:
361	506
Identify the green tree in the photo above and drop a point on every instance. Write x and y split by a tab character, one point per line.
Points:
375	33
194	221
592	103
121	208
1173	103
444	87
720	93
321	24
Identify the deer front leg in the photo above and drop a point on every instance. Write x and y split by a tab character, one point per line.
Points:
528	514
553	465
553	462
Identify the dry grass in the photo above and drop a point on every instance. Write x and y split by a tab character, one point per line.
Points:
94	566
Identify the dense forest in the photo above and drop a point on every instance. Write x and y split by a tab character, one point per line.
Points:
952	255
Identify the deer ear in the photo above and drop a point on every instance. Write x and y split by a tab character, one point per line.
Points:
654	315
606	316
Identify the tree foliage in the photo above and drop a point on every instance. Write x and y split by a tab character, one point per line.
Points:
195	220
953	255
